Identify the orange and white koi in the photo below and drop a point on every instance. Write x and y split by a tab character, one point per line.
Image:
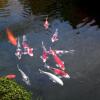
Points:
11	37
57	71
54	38
46	23
59	62
44	56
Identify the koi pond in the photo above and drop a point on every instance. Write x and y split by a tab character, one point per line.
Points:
38	38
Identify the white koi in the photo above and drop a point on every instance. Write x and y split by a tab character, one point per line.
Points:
24	76
53	77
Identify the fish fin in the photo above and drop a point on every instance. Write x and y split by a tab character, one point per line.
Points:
40	71
71	51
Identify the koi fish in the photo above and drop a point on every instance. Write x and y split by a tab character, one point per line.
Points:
44	56
11	76
46	23
53	77
19	50
59	62
24	76
58	71
54	38
11	37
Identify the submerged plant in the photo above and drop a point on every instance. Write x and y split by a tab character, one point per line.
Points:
10	90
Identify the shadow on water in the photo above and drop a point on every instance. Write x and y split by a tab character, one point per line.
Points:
78	30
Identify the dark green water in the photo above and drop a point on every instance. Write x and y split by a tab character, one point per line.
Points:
77	31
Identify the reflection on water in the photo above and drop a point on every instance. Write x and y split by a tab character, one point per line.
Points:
77	31
3	11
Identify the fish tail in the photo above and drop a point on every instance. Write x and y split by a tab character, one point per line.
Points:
71	51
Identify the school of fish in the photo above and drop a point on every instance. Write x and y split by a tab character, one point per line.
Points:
55	73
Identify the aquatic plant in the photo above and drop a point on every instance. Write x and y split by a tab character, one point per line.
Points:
10	90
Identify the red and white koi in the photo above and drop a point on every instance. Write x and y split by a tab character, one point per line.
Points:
54	38
59	62
57	71
46	23
44	56
10	76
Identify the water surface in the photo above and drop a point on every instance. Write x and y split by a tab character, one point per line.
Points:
77	31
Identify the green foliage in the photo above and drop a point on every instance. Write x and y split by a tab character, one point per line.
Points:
10	90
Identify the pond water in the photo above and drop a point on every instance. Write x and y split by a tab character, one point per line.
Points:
77	31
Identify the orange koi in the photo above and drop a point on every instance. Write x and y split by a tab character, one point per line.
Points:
11	37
